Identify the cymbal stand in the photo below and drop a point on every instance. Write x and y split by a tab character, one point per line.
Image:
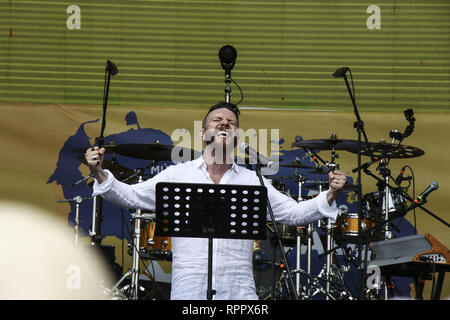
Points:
94	232
331	166
386	172
384	206
384	192
134	272
78	200
327	268
300	179
315	285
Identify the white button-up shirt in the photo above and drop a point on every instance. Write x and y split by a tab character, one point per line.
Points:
232	276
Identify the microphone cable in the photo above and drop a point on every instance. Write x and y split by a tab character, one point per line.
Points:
413	179
240	90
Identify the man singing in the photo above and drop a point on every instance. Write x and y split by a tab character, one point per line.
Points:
232	276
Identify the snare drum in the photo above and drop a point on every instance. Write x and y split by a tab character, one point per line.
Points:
153	247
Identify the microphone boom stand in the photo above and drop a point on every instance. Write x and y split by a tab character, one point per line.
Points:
227	86
97	214
359	125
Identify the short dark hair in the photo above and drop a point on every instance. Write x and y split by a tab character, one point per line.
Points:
222	104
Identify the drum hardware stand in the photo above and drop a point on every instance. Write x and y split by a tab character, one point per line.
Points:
300	179
331	166
78	200
334	278
315	285
330	243
277	234
134	272
385	173
329	246
97	219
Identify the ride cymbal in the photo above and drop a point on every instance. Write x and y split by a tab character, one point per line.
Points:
155	151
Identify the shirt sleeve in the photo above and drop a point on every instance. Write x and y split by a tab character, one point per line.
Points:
288	211
135	196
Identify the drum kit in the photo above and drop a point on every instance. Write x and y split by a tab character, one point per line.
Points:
377	208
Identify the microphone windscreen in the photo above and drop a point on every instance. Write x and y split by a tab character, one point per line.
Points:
434	185
112	68
227	56
340	72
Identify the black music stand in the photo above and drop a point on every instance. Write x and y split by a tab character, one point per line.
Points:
210	211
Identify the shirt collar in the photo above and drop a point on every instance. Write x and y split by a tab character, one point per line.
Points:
200	163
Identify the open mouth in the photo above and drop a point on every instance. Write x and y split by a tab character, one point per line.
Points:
223	134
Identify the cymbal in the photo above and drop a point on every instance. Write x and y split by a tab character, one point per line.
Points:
393	151
329	144
252	161
271	177
315	186
296	164
318	170
155	151
379	149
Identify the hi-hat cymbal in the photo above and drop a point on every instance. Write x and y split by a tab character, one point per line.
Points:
325	185
155	151
252	161
118	171
296	164
318	170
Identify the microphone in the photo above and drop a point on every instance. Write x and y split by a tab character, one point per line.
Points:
112	68
422	197
399	178
227	56
81	180
245	148
340	72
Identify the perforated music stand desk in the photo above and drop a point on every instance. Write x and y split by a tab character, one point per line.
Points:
210	211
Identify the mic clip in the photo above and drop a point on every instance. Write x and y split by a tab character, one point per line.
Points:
396	135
